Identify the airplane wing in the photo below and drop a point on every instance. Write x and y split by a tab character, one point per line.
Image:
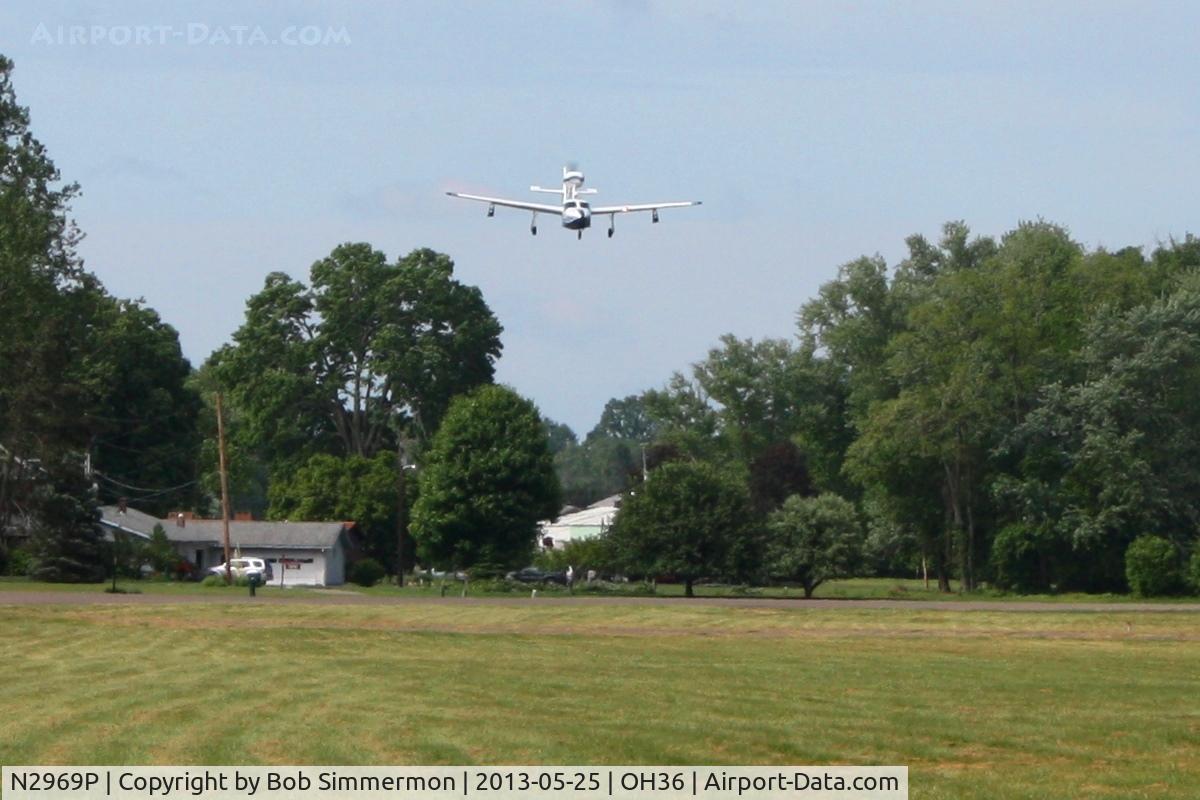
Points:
641	207
500	201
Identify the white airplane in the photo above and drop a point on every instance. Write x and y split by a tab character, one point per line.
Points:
576	214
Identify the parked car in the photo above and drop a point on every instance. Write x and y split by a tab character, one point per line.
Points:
245	567
535	575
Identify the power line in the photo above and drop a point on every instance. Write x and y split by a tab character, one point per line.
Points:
155	490
119	494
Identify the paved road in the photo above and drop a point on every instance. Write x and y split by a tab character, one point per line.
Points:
27	598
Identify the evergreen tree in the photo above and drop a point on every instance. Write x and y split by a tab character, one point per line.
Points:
67	546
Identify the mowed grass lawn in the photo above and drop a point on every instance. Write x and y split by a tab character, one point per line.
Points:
979	704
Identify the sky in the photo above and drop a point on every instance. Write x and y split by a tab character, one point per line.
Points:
217	142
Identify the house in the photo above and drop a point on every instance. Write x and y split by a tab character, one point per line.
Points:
300	553
583	524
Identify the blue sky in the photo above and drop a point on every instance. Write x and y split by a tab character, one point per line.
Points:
813	132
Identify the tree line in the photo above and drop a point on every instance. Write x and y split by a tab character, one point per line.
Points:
1015	412
94	403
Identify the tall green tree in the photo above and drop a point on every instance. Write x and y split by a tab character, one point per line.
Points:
487	480
758	390
559	436
684	417
86	377
143	422
689	521
48	323
625	418
977	345
599	467
46	297
368	349
362	490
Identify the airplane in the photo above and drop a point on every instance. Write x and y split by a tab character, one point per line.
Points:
576	213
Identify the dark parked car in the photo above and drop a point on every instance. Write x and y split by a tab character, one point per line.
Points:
535	575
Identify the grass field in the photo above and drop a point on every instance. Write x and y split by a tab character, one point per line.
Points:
978	704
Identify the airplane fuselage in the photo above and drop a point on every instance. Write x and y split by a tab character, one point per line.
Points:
576	214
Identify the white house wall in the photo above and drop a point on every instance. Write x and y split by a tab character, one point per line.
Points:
308	566
314	568
335	565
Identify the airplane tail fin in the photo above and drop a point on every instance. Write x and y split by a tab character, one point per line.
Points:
547	191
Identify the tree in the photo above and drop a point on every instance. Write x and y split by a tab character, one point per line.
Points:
1023	561
488	479
977	345
46	299
852	319
856	321
776	474
66	543
352	488
367	350
814	539
759	390
597	468
83	374
1192	577
1114	452
160	552
1152	567
746	396
625	418
144	434
48	321
559	436
687	521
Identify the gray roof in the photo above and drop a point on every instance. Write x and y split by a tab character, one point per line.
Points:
131	520
255	533
612	501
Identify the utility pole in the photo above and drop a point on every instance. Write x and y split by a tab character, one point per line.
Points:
224	486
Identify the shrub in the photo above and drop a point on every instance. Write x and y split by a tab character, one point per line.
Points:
583	554
1193	575
219	580
1152	566
367	572
1016	559
159	551
499	586
20	562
